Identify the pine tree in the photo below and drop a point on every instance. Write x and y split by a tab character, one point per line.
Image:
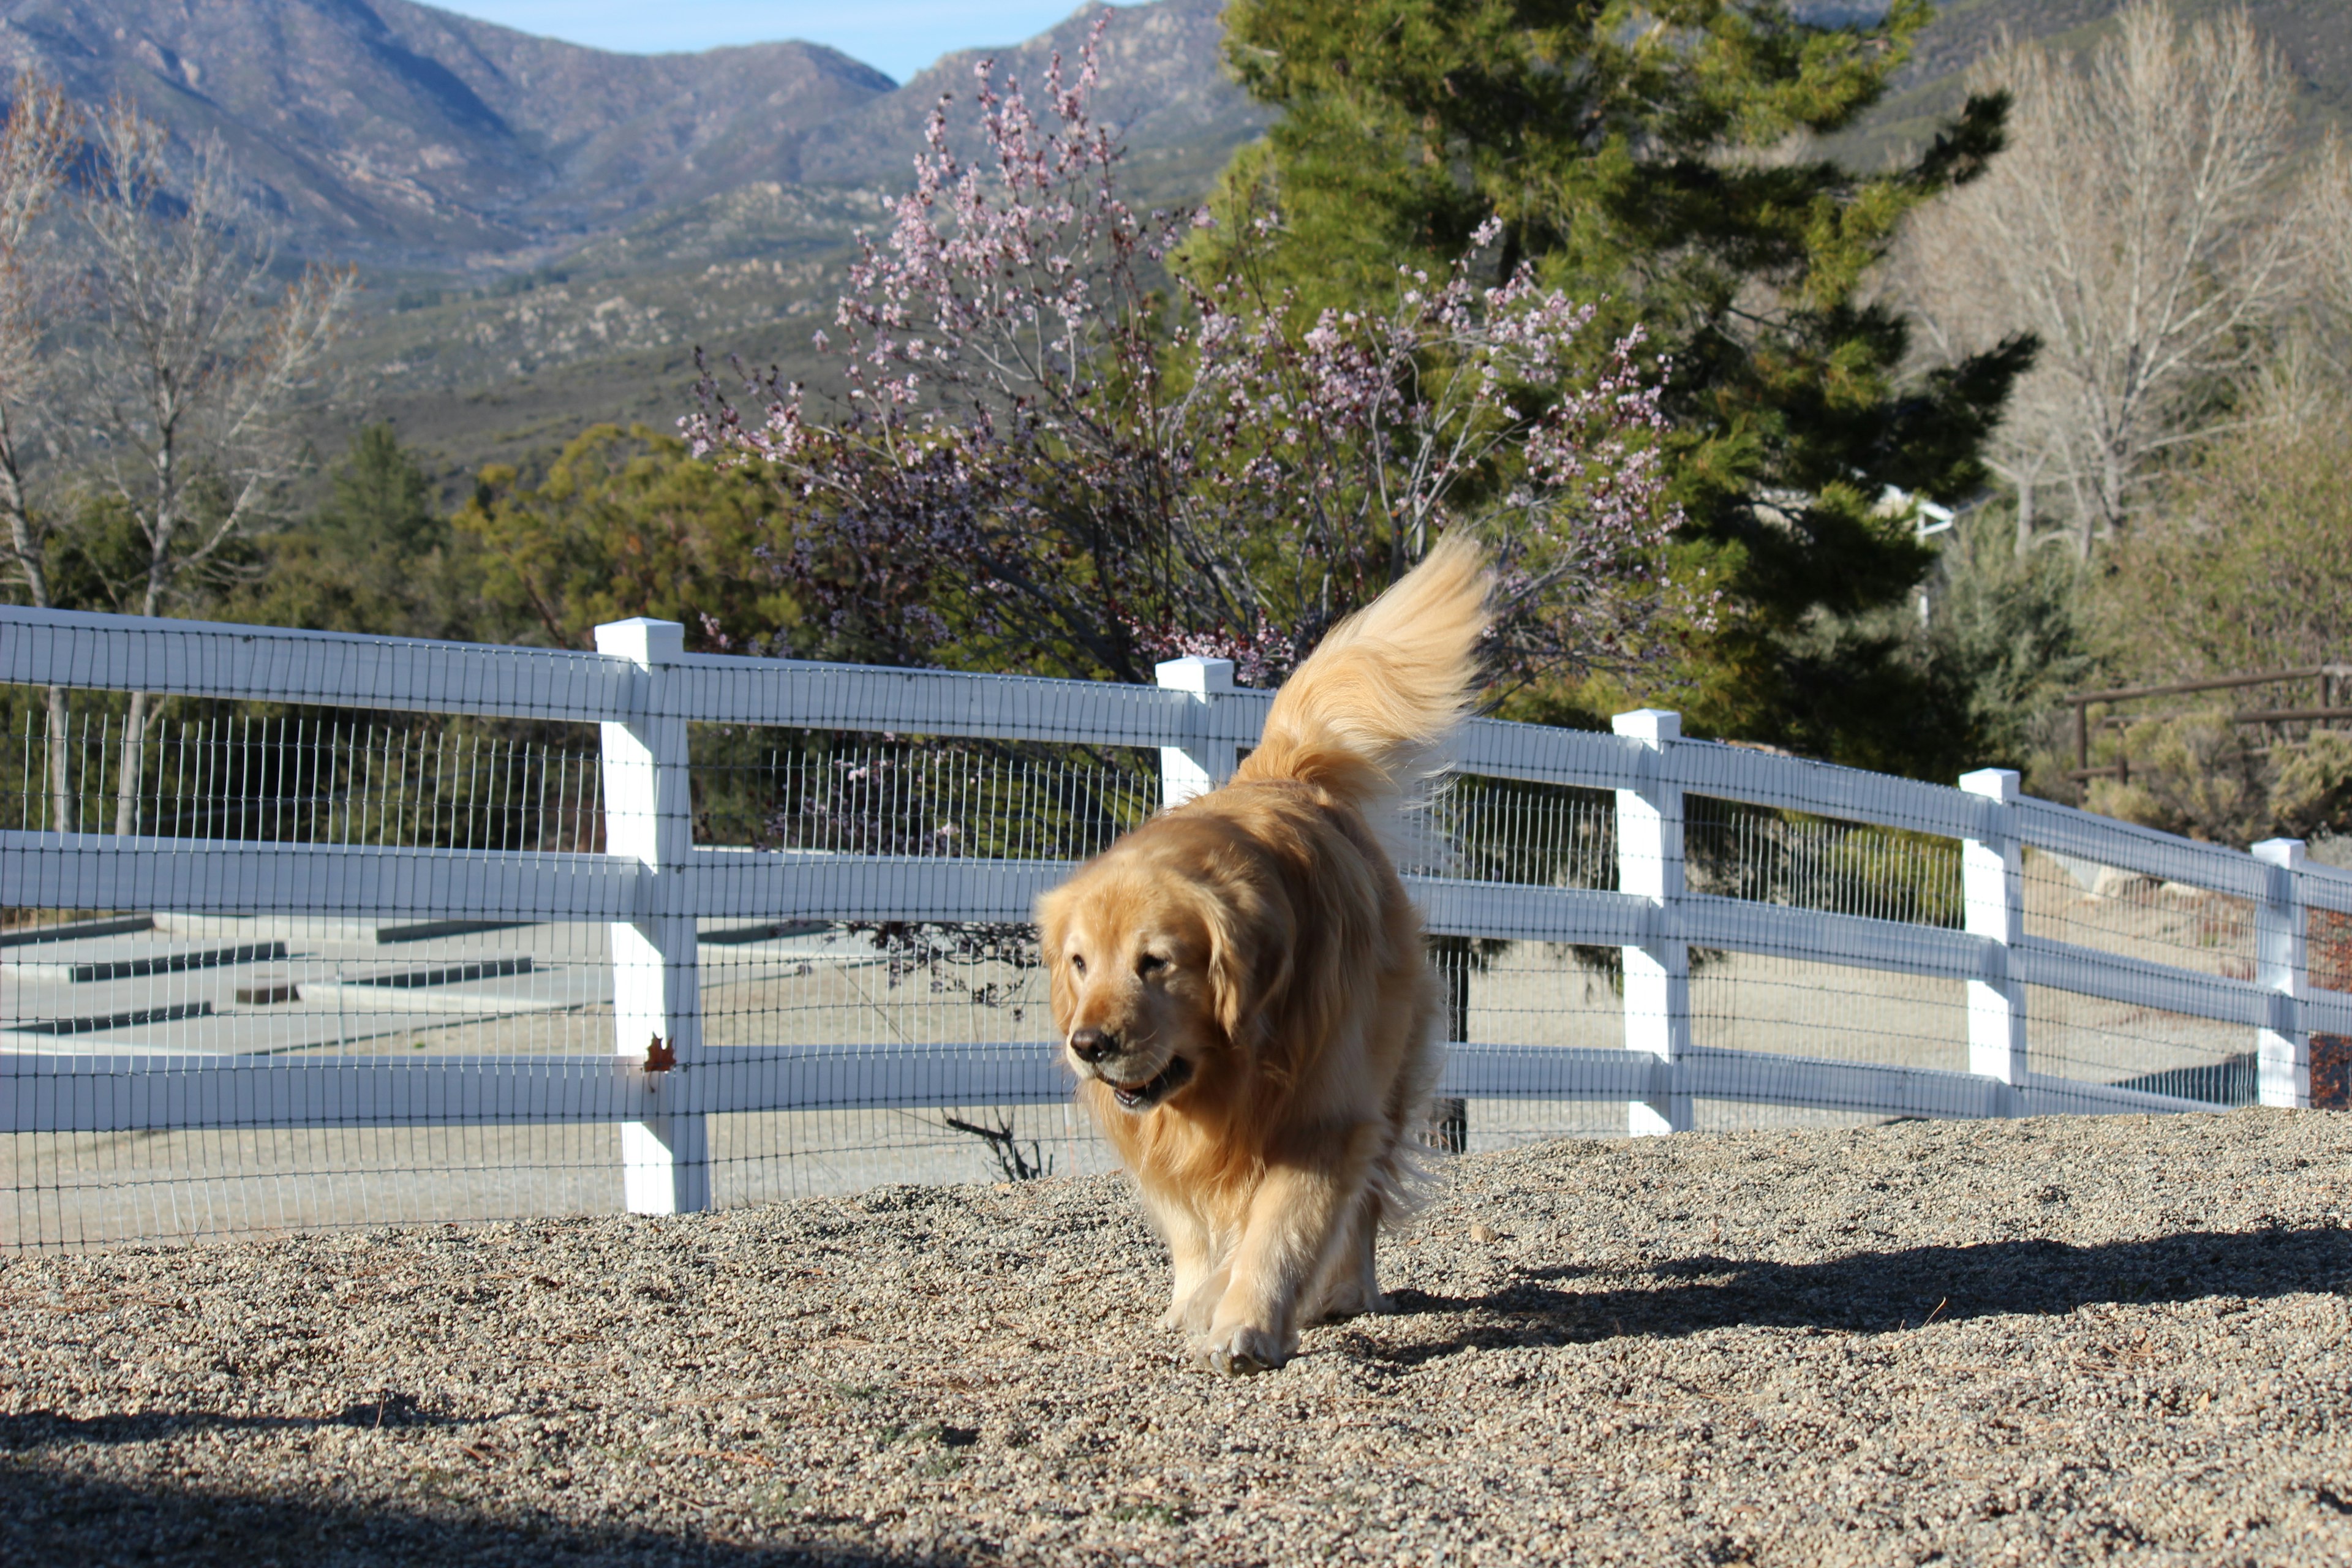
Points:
378	556
1658	157
381	500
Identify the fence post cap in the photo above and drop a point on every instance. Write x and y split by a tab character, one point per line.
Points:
2280	851
646	640
1651	724
1994	783
1200	676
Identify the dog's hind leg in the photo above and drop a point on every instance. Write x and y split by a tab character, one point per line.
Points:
1350	1282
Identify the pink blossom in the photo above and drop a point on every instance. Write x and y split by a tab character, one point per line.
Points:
1045	455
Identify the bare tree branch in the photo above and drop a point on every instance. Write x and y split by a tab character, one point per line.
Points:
36	142
2135	226
196	359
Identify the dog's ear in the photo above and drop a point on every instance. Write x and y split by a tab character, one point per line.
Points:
1250	942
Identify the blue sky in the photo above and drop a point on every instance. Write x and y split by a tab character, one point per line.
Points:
899	36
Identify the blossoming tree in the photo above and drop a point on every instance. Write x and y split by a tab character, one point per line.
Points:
1046	442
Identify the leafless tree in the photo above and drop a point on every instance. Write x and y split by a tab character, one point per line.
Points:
2330	215
2143	224
194	359
36	141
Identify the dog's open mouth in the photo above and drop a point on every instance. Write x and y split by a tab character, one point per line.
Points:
1144	1096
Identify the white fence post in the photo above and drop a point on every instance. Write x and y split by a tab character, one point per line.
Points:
1656	973
656	997
1992	895
2283	1047
1188	771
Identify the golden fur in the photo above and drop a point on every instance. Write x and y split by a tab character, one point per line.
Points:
1241	987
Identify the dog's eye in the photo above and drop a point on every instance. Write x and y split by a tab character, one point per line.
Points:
1077	965
1150	963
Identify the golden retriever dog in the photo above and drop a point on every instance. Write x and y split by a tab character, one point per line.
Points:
1241	987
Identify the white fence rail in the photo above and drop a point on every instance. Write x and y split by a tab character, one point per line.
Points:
652	885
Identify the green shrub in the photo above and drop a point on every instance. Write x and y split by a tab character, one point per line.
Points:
2199	774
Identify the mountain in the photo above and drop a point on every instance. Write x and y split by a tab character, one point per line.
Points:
2313	36
1162	85
394	134
548	231
405	137
414	139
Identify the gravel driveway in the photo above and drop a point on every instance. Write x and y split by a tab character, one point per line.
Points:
2050	1341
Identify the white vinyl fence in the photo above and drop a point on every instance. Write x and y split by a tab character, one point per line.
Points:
1666	925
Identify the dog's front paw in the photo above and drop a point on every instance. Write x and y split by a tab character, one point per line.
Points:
1192	1311
1239	1350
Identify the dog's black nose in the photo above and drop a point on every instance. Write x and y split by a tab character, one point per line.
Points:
1092	1044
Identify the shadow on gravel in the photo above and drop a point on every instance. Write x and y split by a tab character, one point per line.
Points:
1871	1291
31	1428
47	1517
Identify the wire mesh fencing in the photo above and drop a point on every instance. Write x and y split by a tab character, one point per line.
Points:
317	779
348	931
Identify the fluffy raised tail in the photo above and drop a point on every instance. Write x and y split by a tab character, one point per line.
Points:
1368	714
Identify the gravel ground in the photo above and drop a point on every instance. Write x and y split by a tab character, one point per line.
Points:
2049	1340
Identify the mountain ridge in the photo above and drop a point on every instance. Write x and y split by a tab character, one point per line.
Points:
396	134
2314	37
413	139
410	138
550	231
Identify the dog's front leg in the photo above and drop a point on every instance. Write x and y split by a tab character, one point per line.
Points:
1301	1204
1192	1252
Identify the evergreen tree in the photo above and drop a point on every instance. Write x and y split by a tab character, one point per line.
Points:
1656	157
378	556
381	500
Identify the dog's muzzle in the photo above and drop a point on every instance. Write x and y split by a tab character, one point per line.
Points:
1140	1096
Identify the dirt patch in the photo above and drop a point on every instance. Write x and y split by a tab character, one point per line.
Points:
2053	1340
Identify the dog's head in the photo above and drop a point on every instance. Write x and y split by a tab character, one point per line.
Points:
1154	972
